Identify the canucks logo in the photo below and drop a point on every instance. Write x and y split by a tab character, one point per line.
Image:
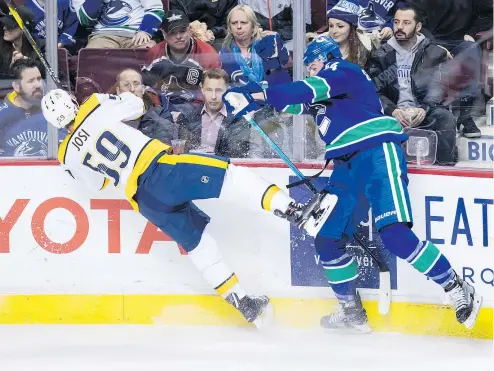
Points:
115	13
31	147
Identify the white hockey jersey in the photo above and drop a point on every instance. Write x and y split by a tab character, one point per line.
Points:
120	17
102	150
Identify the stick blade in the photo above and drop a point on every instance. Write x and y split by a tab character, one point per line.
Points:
384	292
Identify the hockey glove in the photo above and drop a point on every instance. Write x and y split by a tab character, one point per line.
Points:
239	100
272	51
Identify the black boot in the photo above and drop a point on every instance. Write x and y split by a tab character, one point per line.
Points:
465	120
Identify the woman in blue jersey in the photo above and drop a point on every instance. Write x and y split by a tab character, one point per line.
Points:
249	55
369	171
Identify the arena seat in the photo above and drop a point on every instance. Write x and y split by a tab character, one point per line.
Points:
97	68
318	10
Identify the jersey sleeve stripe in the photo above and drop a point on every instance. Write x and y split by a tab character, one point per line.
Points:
319	87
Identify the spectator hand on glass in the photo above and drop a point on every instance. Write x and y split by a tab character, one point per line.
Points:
468	38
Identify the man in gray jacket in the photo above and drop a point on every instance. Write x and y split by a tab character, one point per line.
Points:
407	75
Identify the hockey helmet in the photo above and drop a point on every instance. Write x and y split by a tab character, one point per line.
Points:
323	48
59	108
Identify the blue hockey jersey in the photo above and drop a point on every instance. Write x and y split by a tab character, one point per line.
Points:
23	133
345	105
67	21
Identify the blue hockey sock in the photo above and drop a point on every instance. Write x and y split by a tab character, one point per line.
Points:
424	256
340	268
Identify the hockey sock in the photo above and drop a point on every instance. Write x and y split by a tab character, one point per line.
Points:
424	256
247	189
209	261
340	268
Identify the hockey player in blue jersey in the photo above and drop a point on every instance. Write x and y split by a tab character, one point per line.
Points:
369	171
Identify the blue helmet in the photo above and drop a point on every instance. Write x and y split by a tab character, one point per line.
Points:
320	49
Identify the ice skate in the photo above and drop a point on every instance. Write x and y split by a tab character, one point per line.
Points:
352	317
256	309
466	301
312	215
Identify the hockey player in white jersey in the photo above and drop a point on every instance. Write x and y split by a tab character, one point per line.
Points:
101	150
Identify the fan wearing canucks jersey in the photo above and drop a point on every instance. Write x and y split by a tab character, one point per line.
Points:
369	171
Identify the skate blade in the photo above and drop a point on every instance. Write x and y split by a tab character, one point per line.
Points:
353	330
328	203
384	293
265	318
477	304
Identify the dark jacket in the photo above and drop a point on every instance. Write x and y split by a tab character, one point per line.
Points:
281	18
157	123
428	87
233	136
211	12
453	19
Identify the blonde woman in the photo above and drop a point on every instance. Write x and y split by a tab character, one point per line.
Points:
247	53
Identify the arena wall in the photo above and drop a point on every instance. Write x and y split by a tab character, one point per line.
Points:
70	256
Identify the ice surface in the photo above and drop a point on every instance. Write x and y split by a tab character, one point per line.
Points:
157	348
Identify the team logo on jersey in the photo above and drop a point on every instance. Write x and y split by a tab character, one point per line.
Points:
205	179
31	147
193	76
115	13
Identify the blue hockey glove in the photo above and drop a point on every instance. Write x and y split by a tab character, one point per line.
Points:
271	49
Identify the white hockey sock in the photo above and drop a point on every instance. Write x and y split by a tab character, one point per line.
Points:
208	260
247	189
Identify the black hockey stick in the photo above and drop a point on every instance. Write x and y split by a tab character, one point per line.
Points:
384	278
29	38
384	275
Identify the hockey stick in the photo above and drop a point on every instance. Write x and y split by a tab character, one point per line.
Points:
384	275
384	279
29	38
280	153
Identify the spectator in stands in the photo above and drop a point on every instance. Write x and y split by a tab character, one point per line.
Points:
177	63
277	16
67	22
179	45
406	72
157	122
14	45
247	57
210	129
211	12
355	45
23	130
246	53
373	15
453	24
120	24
